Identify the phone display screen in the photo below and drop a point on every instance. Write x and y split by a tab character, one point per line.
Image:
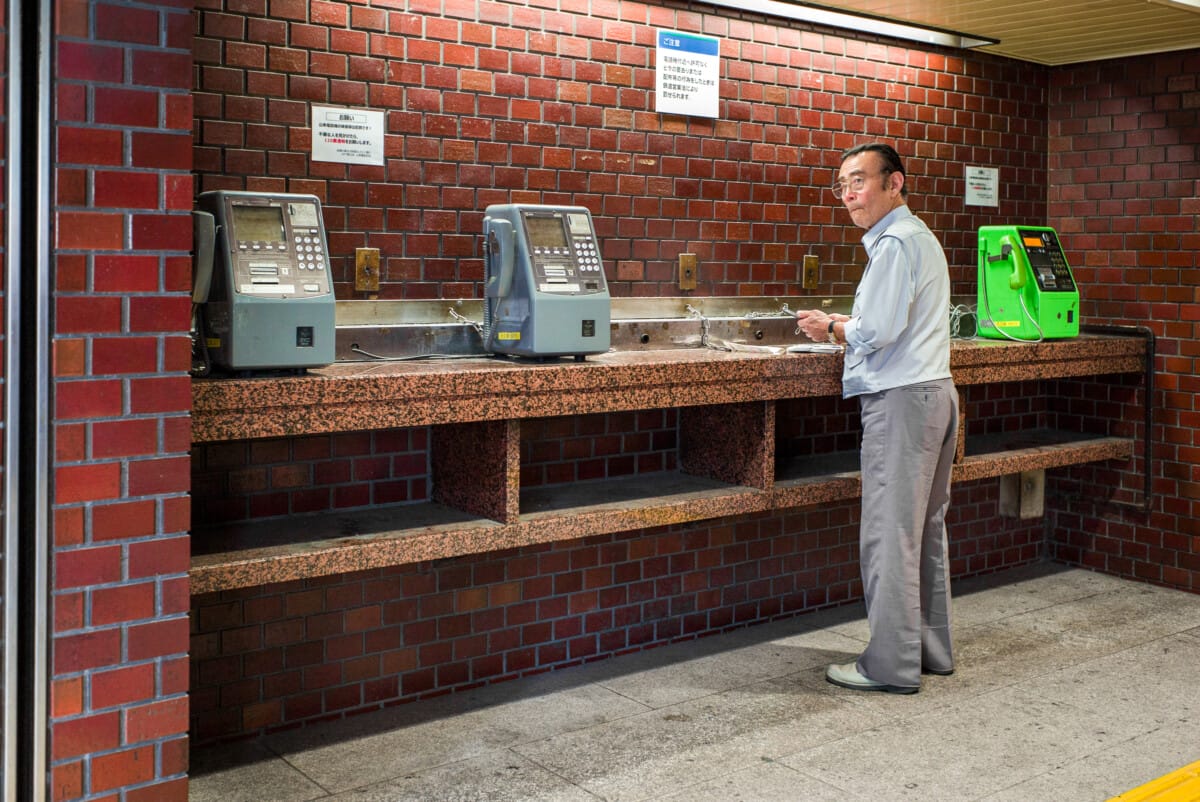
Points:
545	232
258	223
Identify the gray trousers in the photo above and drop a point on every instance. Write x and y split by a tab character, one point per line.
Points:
908	444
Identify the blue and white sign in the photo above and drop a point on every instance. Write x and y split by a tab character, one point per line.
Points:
687	74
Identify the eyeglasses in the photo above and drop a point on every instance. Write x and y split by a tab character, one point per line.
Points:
855	184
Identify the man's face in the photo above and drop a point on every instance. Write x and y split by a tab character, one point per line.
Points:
879	194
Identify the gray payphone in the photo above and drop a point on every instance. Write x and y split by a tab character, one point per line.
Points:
545	293
265	298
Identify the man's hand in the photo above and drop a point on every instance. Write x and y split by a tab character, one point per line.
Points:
815	323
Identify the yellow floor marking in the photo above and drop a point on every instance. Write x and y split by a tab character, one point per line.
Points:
1182	785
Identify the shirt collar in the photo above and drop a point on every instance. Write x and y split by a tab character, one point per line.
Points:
876	231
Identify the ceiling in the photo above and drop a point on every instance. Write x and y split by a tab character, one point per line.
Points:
1051	32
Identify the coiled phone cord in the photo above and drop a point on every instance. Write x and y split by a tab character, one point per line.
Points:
1028	316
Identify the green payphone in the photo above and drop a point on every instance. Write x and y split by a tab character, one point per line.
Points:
1026	291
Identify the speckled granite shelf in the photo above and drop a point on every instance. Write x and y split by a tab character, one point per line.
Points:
362	396
280	550
726	447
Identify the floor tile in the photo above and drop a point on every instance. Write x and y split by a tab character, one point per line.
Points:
653	754
1152	684
961	752
1047	583
1117	618
499	776
247	772
658	682
768	781
1112	771
380	746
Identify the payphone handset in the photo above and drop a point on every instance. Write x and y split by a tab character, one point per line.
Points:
1026	291
545	294
269	301
204	241
501	248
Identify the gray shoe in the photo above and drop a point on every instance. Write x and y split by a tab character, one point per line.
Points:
847	676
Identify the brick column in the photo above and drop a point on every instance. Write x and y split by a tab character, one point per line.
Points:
121	236
1124	163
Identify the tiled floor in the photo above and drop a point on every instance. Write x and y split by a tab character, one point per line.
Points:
1070	686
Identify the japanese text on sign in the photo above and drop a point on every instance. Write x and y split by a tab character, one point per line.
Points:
687	75
982	186
349	136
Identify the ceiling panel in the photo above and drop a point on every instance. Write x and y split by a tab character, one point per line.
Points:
1052	33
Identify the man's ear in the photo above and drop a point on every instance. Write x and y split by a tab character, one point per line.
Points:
896	180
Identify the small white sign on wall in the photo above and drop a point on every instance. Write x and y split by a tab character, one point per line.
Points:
349	136
983	186
687	74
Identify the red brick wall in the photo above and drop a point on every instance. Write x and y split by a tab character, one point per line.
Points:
242	480
528	104
1125	195
563	450
122	232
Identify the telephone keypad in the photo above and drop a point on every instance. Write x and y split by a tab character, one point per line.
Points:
1047	261
589	258
309	252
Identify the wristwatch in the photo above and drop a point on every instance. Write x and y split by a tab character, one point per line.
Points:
832	336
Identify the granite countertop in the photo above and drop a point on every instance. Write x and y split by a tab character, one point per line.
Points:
357	396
